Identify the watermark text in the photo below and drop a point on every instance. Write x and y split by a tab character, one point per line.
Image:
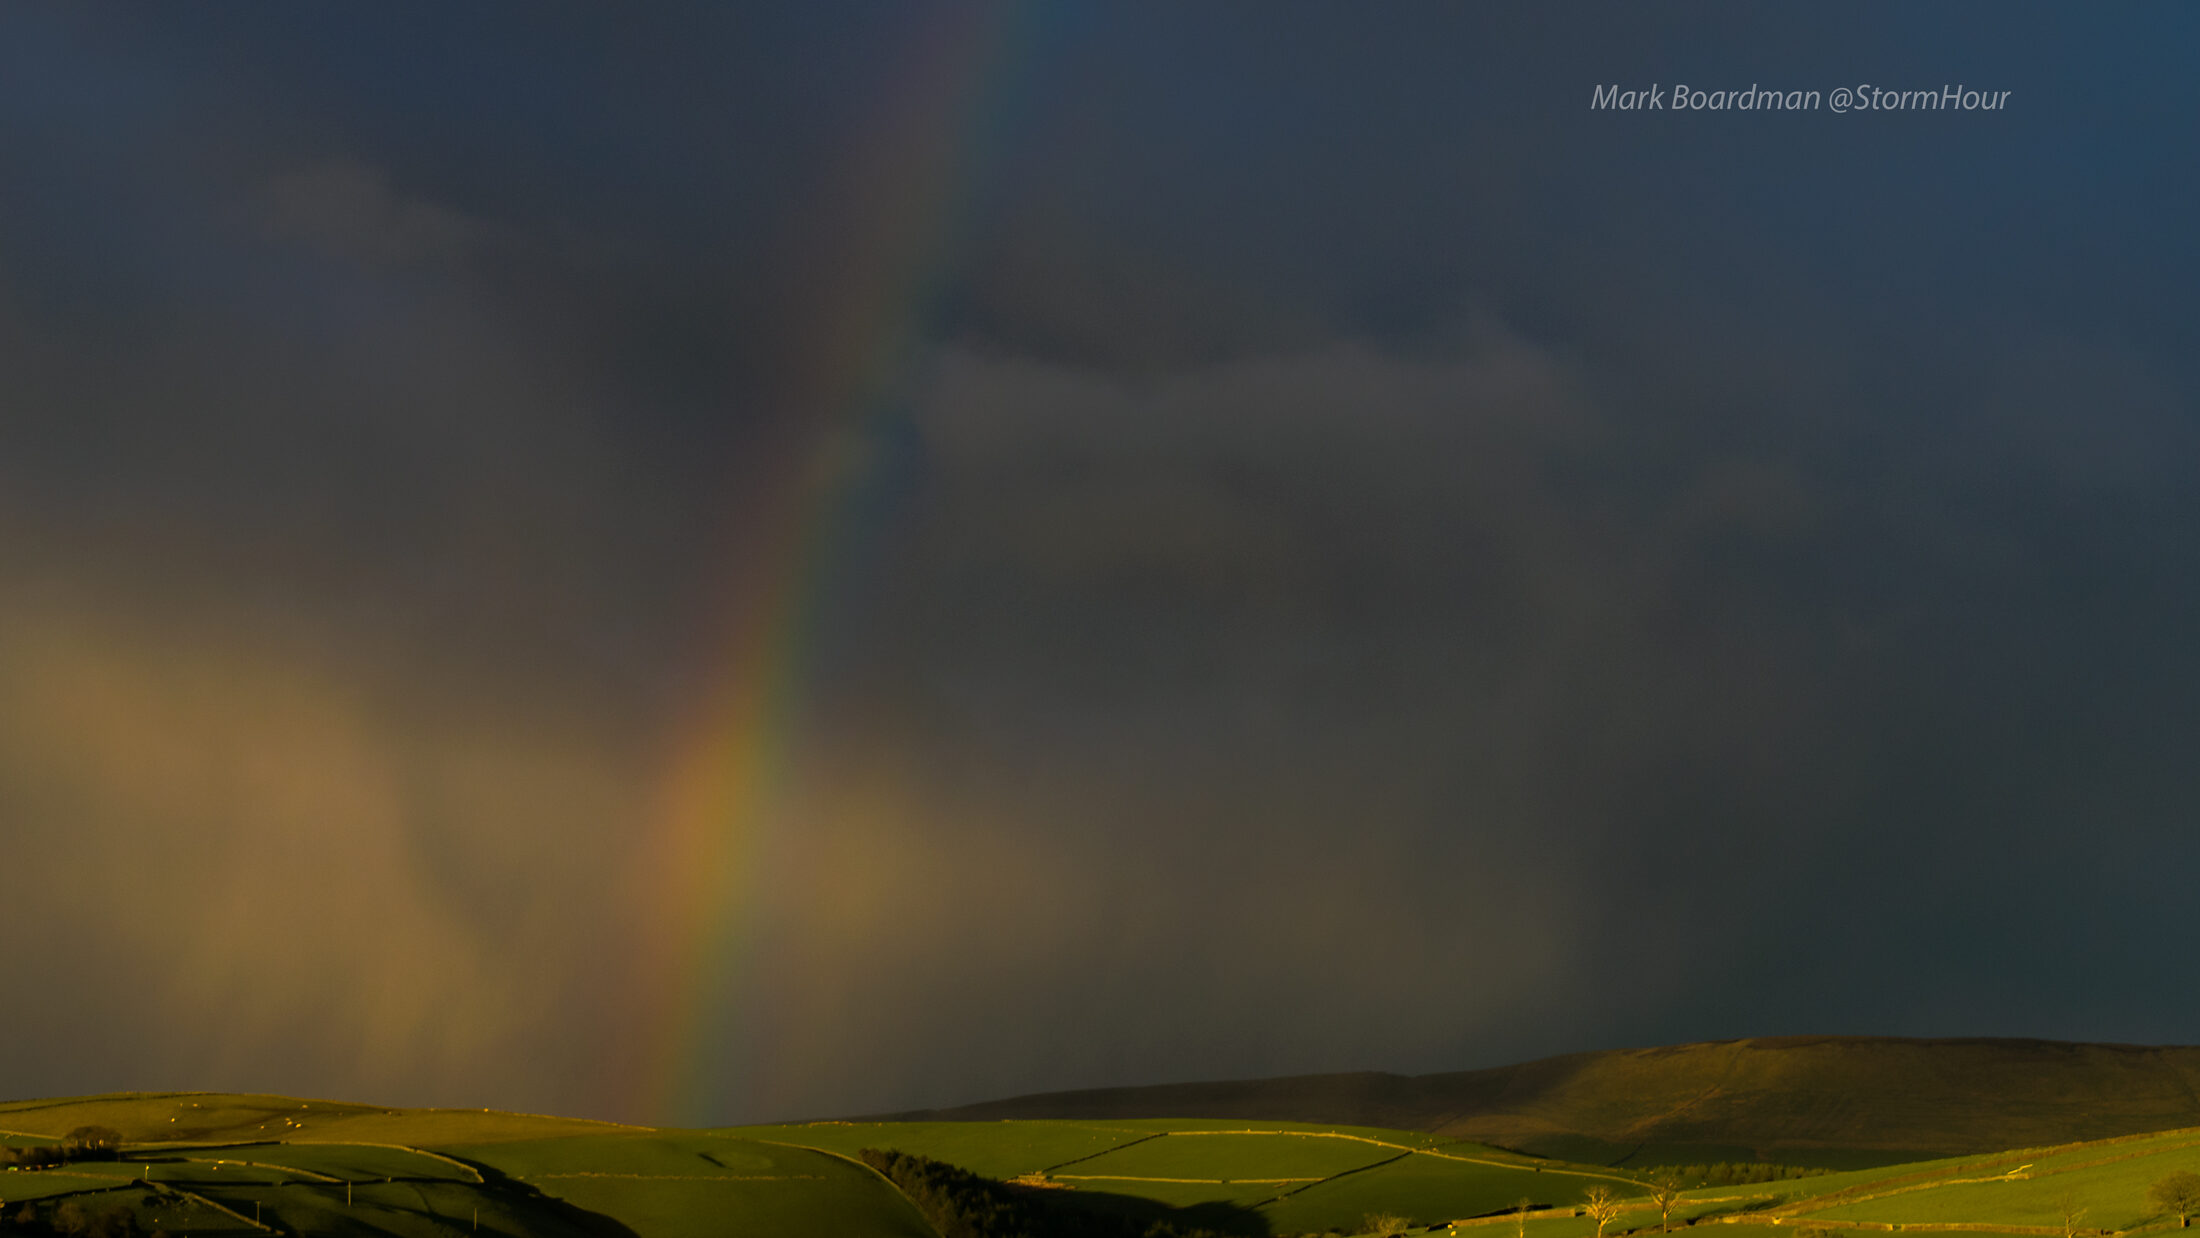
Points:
1863	97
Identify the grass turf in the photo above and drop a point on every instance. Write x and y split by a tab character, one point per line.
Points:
995	1149
1235	1156
217	1162
698	1185
1430	1190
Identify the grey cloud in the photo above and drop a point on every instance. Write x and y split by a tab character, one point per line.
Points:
1331	672
1241	701
286	869
1427	512
1263	672
348	208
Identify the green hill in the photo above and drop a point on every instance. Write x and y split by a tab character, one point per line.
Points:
212	1165
1833	1101
1233	1177
1273	1179
1993	1137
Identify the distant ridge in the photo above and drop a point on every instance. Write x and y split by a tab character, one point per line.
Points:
1838	1101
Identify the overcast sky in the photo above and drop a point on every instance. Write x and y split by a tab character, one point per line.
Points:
1361	560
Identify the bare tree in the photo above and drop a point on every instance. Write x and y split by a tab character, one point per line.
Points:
1520	1217
2178	1195
2071	1214
1601	1206
1665	1193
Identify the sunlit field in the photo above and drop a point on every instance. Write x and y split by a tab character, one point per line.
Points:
247	1165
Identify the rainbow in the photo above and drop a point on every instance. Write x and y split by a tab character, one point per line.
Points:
796	539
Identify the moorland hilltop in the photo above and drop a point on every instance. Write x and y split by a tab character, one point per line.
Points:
1838	1101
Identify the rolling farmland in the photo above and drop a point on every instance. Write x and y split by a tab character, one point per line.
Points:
253	1165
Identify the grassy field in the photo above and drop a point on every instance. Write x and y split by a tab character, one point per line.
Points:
2107	1181
252	1166
1280	1156
699	1185
358	1162
1278	1177
257	1165
1428	1189
204	1117
995	1149
1299	1178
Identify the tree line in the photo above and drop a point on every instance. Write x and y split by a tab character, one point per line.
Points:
85	1143
71	1219
962	1204
1733	1173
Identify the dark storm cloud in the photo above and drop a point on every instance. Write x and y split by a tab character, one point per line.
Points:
1401	570
309	611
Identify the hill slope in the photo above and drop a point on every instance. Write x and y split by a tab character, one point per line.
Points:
1827	1100
202	1165
214	1165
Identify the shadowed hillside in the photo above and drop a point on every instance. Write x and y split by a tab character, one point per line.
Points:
1826	1100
